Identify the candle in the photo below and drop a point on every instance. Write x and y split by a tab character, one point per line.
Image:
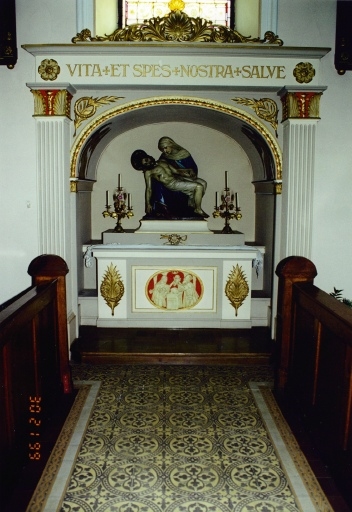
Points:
107	197
216	199
226	180
236	198
119	181
129	200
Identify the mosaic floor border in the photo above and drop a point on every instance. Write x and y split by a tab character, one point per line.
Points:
56	489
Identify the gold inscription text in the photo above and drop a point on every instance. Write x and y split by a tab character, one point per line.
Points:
193	71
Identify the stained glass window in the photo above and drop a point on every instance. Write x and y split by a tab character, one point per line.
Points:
249	17
217	11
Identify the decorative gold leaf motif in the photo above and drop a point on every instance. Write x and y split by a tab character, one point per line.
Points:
39	104
304	72
60	103
314	105
177	26
86	107
265	108
236	289
112	288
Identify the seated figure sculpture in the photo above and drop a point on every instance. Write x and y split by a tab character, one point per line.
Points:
173	180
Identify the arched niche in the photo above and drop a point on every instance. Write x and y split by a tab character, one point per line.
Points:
260	153
256	140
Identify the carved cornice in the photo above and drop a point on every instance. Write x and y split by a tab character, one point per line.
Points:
177	26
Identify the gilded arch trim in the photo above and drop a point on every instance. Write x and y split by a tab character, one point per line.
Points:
175	100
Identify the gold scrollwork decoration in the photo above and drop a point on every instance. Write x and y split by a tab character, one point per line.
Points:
86	107
174	239
237	289
304	72
49	69
265	108
112	288
177	26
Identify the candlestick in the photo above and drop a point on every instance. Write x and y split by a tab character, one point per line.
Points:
120	210
227	209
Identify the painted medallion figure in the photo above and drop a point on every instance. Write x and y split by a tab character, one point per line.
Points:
171	191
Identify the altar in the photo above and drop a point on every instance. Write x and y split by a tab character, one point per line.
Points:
172	281
99	100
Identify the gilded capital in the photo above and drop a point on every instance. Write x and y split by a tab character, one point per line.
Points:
301	105
54	102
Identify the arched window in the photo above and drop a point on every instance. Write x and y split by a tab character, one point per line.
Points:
250	17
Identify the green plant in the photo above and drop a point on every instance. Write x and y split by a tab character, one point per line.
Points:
337	294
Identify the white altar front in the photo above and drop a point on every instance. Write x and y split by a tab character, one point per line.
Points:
205	285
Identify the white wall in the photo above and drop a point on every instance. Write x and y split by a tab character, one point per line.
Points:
301	23
312	23
37	21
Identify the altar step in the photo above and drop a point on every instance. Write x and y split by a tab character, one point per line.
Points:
88	306
172	346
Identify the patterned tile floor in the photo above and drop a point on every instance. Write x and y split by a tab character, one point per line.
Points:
183	439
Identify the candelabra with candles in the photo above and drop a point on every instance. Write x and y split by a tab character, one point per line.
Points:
121	210
228	208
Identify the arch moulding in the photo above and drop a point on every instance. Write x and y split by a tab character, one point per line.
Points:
184	104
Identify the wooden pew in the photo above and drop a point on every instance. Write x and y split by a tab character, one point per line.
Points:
34	363
314	367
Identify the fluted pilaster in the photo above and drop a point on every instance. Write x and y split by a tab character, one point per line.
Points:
53	184
53	129
300	118
297	190
56	232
